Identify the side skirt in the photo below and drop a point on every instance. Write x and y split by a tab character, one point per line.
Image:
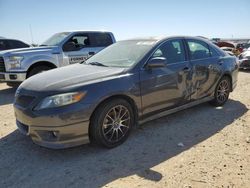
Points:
176	109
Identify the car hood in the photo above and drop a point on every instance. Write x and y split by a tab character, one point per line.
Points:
21	51
69	77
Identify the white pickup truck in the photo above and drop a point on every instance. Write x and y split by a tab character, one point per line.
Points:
61	49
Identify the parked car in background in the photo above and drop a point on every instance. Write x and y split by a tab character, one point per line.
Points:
246	46
244	60
229	47
7	44
130	81
61	49
229	50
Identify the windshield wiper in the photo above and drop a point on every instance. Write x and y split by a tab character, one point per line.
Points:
43	45
97	64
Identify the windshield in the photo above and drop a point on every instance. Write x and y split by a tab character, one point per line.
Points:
55	39
123	53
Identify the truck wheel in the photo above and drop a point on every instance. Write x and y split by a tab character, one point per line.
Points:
222	91
13	84
37	70
111	123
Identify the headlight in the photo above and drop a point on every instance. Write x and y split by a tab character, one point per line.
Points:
60	100
15	62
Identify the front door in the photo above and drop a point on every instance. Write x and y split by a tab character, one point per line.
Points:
168	86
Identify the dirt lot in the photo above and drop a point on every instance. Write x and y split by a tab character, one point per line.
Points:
199	147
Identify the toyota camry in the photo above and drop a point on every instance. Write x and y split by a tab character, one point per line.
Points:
126	84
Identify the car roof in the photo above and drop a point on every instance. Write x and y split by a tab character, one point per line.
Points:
85	31
163	38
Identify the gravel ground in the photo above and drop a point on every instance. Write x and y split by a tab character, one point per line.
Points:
199	147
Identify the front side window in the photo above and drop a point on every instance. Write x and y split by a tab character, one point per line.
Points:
76	42
198	49
172	50
80	40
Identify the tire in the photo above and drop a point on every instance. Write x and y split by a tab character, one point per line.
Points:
111	123
221	92
37	70
13	84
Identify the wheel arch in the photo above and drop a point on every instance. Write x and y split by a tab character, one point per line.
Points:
41	63
118	96
228	75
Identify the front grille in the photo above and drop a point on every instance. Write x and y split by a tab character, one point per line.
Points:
2	66
24	100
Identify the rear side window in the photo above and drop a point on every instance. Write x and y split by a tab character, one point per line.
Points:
100	39
172	50
198	49
17	44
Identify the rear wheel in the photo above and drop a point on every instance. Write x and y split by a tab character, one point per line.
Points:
111	123
222	91
37	70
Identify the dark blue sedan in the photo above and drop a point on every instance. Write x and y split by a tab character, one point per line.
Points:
129	82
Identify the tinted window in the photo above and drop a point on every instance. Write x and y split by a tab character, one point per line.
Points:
76	42
80	40
198	49
3	45
101	39
17	44
172	50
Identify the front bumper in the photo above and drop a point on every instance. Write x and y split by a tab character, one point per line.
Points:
55	128
12	76
57	137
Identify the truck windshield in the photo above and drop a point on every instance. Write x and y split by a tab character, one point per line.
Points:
55	39
122	54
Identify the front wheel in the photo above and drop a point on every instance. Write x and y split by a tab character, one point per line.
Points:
111	123
222	91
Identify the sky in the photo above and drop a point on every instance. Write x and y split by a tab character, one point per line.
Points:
37	20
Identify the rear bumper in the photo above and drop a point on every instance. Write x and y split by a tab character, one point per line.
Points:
12	76
244	64
57	137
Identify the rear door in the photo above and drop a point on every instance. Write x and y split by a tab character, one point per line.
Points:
167	86
206	68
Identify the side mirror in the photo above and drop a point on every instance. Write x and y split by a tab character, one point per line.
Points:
156	62
69	46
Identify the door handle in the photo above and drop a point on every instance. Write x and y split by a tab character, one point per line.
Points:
91	53
220	61
186	69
